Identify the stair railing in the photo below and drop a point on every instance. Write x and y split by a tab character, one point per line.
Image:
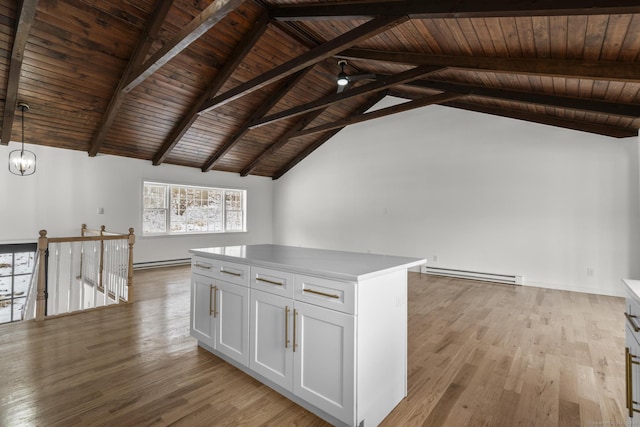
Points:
85	272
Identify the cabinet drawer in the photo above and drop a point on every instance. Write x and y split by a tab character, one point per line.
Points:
272	281
228	271
340	296
232	272
203	266
632	315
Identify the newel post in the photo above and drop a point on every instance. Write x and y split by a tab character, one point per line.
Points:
41	301
132	240
101	266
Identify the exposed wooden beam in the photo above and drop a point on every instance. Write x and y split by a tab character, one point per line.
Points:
154	23
238	55
311	57
376	86
600	129
421	9
583	104
383	112
279	93
271	150
327	136
202	23
24	22
601	70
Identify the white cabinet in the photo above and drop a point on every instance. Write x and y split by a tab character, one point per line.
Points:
220	316
324	362
326	329
202	327
305	349
271	346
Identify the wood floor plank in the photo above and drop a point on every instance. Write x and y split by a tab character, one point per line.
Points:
479	354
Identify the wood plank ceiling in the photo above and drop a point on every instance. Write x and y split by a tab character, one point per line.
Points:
250	86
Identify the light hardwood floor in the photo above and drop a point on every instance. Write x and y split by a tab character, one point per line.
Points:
480	354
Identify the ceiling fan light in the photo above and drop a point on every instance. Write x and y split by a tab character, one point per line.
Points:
343	80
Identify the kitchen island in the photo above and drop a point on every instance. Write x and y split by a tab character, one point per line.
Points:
327	329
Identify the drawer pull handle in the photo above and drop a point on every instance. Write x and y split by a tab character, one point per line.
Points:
272	282
223	271
630	318
311	291
198	265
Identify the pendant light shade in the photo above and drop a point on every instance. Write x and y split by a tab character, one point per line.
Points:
22	162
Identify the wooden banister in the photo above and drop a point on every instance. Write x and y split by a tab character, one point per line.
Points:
108	288
41	301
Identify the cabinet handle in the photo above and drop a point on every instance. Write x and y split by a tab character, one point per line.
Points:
311	291
287	310
198	265
630	318
223	271
272	282
215	301
295	317
629	362
211	288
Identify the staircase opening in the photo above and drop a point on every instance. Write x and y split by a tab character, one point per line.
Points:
17	263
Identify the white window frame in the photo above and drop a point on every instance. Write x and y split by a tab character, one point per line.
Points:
168	209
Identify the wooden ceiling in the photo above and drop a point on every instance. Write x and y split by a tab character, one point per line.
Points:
250	87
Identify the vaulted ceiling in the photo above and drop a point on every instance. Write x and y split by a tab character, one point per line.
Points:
250	86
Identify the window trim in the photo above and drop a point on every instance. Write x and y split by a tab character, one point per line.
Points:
168	187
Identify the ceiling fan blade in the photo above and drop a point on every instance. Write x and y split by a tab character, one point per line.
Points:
358	77
341	88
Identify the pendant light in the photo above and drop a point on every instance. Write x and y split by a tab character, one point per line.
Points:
22	162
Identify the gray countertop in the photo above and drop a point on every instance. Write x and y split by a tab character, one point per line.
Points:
350	266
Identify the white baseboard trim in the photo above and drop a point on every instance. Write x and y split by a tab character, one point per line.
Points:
163	263
572	288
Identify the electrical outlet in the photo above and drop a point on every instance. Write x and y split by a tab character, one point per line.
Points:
590	272
434	258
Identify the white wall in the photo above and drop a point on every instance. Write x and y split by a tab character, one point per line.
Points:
69	186
477	191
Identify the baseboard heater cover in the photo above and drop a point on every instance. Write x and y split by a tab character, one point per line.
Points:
163	263
513	279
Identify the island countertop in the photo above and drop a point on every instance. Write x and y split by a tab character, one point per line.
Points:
349	266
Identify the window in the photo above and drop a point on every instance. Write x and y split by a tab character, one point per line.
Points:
181	209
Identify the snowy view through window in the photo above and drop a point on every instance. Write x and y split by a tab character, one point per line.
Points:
15	274
183	209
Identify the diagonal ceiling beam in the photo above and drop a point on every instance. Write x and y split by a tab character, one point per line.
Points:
311	57
239	53
601	70
24	22
202	23
376	86
583	104
422	9
154	23
330	134
597	128
271	150
383	112
280	92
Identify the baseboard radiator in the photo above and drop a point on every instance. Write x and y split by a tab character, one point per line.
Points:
163	263
513	279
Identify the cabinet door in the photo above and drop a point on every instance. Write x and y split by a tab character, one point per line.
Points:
271	333
201	309
324	360
632	380
231	311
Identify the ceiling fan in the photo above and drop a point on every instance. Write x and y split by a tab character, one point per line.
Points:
343	80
